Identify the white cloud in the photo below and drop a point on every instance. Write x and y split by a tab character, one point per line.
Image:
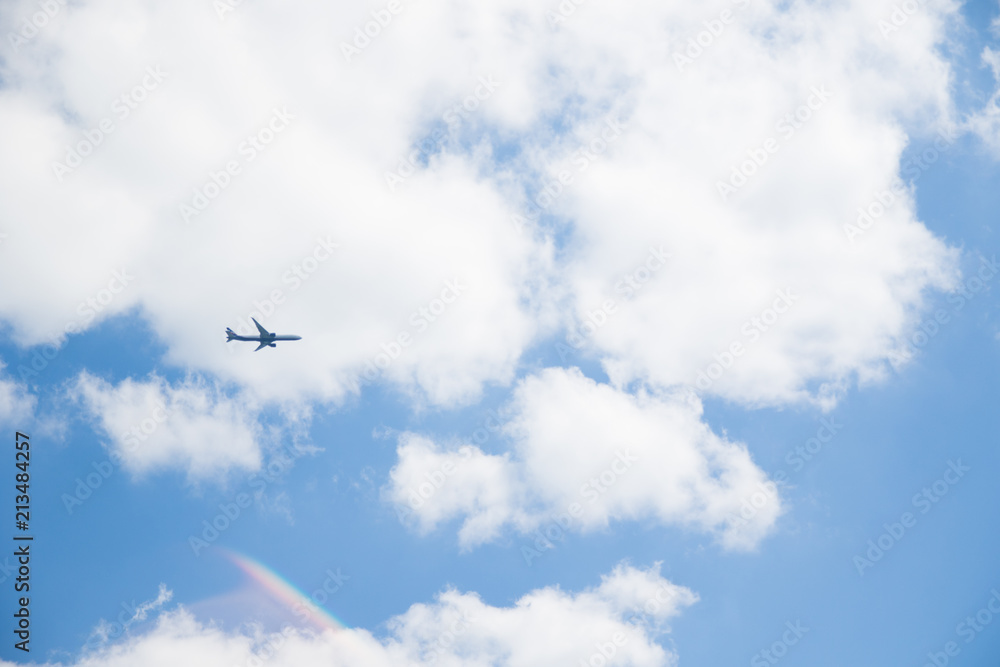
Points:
323	176
586	454
784	228
436	485
17	404
622	618
986	121
107	631
190	426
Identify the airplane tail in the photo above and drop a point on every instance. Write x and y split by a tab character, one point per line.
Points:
230	334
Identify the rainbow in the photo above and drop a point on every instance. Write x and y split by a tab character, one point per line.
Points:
304	607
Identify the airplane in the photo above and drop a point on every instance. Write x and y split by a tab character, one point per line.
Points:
266	339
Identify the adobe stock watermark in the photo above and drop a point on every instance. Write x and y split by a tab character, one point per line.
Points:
779	649
924	501
91	307
381	18
121	108
88	309
223	7
913	168
229	513
630	285
899	16
663	597
786	127
481	434
605	651
929	328
797	458
705	39
968	629
140	433
248	150
435	480
563	11
592	490
490	425
32	25
453	117
752	330
133	438
420	320
552	189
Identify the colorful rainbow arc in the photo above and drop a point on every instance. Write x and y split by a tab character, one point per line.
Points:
301	604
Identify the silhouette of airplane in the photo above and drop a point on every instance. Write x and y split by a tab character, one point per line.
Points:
266	339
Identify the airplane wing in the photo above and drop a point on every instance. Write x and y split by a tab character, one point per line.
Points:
264	344
262	330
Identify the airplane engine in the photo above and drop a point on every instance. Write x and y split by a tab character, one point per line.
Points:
272	345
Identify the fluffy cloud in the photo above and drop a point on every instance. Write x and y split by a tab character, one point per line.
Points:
586	454
16	404
191	426
746	166
986	122
290	155
263	245
621	619
435	485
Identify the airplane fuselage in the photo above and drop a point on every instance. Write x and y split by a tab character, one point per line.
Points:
269	339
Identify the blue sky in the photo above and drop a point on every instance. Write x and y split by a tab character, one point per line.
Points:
487	403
